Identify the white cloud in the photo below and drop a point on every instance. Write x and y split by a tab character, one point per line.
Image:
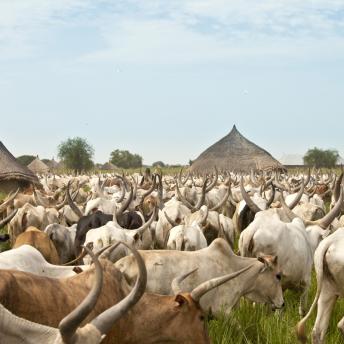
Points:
177	31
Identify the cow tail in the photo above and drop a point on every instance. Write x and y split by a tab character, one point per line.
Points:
301	325
247	244
179	242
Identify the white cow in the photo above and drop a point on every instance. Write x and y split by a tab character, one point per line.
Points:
186	238
329	268
27	258
261	283
293	243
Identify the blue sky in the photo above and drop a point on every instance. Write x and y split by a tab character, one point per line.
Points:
166	79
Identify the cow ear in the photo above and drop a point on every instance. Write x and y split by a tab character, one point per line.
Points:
274	260
268	261
181	300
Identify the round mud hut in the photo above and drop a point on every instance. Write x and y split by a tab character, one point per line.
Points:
234	153
12	173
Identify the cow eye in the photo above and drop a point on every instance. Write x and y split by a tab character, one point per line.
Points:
278	276
201	317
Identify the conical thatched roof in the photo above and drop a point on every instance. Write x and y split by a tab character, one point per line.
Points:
234	153
108	166
11	169
52	164
38	166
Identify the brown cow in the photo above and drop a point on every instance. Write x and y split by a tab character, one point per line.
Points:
39	240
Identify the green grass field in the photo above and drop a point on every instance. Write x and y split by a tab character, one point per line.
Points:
257	324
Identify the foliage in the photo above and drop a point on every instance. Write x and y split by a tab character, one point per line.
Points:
25	159
76	153
321	158
125	159
158	164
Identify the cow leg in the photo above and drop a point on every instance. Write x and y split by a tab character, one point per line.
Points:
341	326
326	303
303	302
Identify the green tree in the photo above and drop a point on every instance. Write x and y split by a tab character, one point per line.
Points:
26	159
125	159
321	158
76	154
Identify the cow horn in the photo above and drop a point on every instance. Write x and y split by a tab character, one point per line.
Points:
135	187
148	223
272	197
175	285
73	206
160	192
105	320
10	198
71	322
172	222
286	209
297	198
204	217
336	190
121	198
223	201
7	219
183	199
253	206
126	203
81	255
202	198
150	190
328	218
39	200
203	288
213	183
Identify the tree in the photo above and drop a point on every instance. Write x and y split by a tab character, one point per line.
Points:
321	158
125	159
158	164
76	154
26	159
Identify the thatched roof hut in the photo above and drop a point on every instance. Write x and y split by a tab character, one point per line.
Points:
12	173
108	166
234	153
38	166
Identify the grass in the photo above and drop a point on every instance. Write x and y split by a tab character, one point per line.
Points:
257	324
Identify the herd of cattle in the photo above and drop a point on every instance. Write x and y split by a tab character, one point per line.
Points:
144	258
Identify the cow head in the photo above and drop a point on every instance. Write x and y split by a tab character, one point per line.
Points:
268	287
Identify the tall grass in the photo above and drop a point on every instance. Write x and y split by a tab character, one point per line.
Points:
257	324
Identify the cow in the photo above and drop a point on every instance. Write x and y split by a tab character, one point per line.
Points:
110	233
293	242
261	283
156	318
41	241
15	330
329	268
29	215
29	259
186	238
63	239
176	211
